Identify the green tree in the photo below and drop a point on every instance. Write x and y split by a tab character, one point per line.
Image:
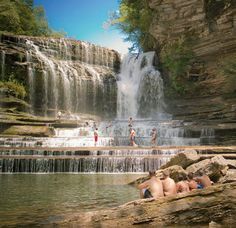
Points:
134	19
21	17
9	17
41	27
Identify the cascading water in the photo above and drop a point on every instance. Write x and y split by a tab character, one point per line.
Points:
70	76
140	96
140	87
63	74
3	54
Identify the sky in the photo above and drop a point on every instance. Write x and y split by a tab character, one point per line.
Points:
84	19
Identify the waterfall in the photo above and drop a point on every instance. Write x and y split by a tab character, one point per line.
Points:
67	75
3	54
140	87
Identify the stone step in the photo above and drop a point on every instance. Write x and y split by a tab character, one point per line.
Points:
203	149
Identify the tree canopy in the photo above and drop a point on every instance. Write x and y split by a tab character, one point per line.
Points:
23	18
133	19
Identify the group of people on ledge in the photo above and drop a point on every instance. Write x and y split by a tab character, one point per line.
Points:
155	187
133	134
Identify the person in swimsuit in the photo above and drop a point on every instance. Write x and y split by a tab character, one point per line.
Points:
95	136
151	188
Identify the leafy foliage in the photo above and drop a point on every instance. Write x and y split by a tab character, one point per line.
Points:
176	58
22	18
134	19
14	88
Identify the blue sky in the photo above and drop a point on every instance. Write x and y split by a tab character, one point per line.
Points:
83	20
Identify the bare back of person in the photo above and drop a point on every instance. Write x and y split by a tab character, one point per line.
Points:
182	187
154	185
169	186
204	181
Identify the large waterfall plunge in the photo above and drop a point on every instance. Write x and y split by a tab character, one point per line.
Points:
72	76
140	87
62	74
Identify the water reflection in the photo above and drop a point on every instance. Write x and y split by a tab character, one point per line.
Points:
29	199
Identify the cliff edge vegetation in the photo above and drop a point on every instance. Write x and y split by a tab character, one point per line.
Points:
21	17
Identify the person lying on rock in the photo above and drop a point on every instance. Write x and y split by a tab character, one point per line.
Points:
151	188
191	182
168	183
203	180
182	185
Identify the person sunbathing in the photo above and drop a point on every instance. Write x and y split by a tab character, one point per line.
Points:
151	188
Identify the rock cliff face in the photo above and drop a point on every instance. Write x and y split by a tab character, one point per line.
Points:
61	74
211	25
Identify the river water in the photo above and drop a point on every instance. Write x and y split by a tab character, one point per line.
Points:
39	199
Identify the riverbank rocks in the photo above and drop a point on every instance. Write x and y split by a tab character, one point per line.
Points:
183	159
197	208
212	167
229	177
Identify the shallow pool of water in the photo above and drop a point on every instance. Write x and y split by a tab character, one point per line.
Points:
37	199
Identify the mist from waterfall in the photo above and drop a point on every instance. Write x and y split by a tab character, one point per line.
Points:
140	87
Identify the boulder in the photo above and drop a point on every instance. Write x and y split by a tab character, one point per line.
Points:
199	207
212	167
229	177
183	159
231	164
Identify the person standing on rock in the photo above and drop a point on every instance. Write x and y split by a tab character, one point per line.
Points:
151	188
169	186
95	136
130	122
59	114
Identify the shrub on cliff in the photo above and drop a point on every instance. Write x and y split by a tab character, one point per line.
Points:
176	58
13	88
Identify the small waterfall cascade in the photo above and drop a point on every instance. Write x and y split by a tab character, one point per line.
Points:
64	74
118	161
169	132
140	87
3	56
207	136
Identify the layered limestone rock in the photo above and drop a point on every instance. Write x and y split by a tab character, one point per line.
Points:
61	74
197	208
212	25
211	93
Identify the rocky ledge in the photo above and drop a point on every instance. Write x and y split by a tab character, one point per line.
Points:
215	205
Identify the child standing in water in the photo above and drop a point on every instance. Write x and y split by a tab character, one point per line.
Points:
95	136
